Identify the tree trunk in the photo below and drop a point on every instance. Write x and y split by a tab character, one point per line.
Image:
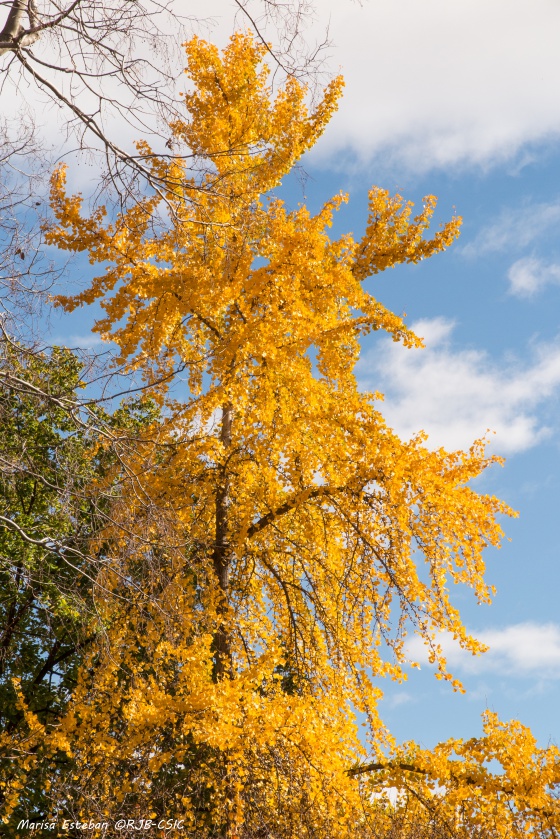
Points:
14	36
221	557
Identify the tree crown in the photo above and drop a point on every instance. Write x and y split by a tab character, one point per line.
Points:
315	537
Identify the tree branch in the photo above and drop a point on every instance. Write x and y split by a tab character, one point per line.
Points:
14	36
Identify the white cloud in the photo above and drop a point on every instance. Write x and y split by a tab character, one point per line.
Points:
79	341
529	275
515	229
401	697
438	83
457	395
523	650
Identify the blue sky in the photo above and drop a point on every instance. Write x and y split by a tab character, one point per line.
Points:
461	100
489	311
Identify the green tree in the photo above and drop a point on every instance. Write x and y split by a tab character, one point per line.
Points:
55	505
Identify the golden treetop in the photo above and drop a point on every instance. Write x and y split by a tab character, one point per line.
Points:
238	291
235	269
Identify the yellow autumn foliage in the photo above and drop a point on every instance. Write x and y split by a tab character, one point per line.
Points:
306	538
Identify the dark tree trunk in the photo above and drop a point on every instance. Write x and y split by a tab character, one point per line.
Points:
221	557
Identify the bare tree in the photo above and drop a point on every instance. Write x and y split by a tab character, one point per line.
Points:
103	63
112	66
26	275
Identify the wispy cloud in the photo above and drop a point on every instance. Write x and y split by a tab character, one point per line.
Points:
522	650
456	395
530	275
84	342
515	229
399	698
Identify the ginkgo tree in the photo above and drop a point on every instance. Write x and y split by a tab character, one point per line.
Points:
304	538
